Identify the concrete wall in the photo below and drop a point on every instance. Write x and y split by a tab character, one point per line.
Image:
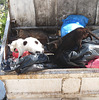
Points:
62	83
51	12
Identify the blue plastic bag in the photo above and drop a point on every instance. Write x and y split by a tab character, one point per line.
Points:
72	22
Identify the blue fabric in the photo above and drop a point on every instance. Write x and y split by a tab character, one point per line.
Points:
2	90
72	22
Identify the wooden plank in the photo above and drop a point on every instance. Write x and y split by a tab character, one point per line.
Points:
23	12
2	52
40	27
93	27
65	8
88	9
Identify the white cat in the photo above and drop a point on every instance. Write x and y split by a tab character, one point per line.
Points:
29	44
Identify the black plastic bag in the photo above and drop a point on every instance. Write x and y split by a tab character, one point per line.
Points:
8	65
73	59
30	63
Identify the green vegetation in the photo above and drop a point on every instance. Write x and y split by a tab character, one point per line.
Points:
2	1
3	16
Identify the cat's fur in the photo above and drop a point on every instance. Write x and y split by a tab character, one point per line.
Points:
29	44
72	39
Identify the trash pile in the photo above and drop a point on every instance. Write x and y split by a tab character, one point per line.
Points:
29	63
72	22
72	50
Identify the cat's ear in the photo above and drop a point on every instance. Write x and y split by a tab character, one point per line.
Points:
9	45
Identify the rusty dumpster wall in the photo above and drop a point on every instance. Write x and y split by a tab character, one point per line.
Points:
51	12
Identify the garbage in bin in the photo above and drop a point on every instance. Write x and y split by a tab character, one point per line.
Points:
94	63
16	54
29	63
74	59
72	22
